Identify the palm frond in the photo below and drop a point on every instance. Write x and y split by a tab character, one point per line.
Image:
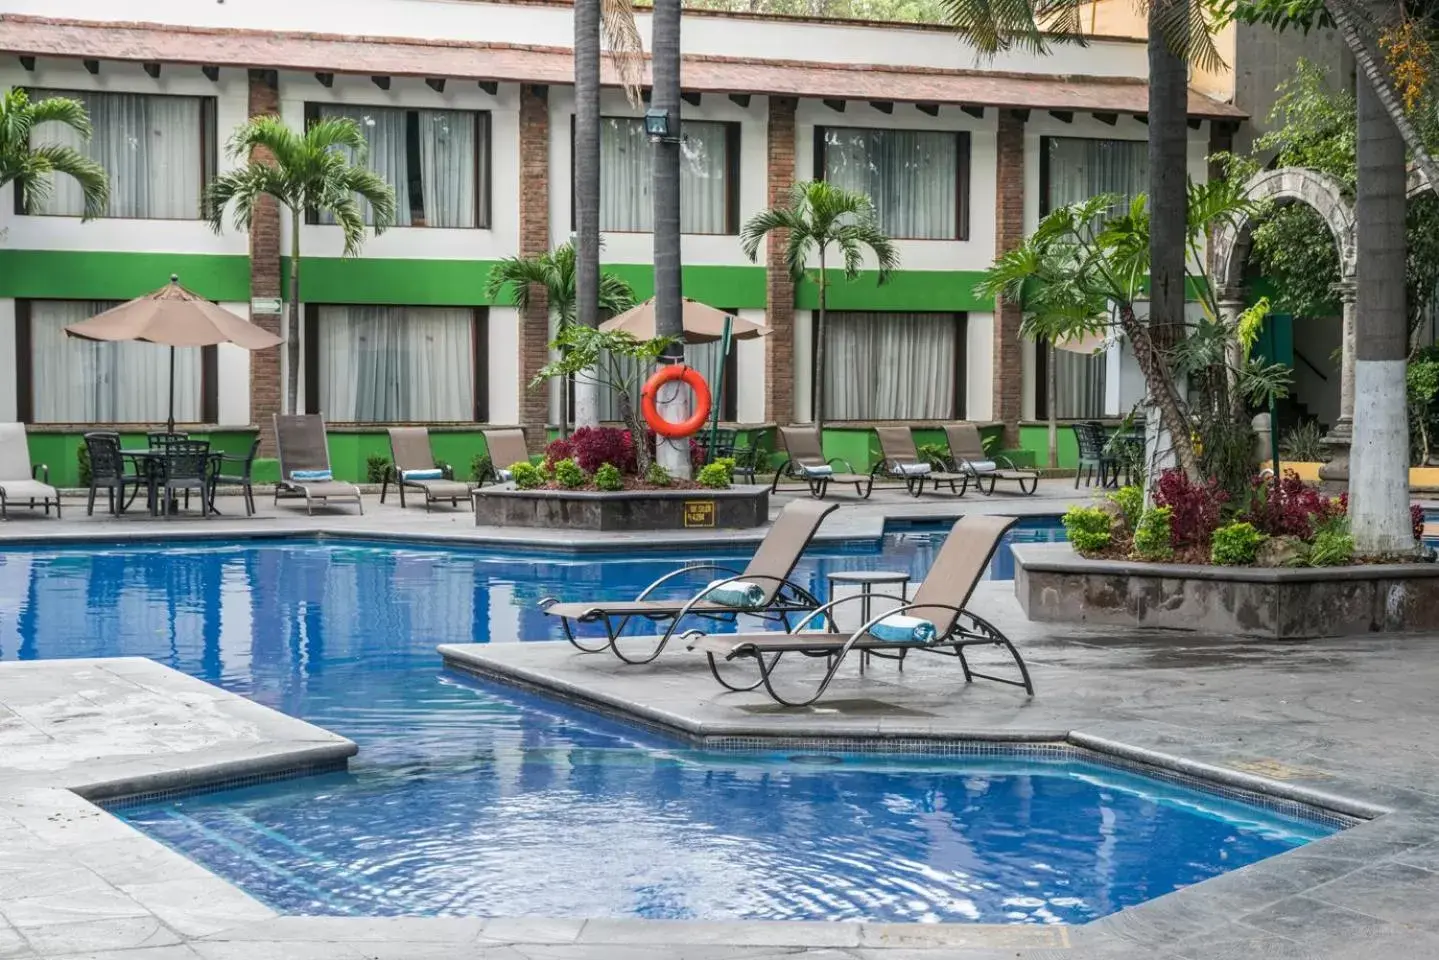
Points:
1187	30
271	134
625	46
757	227
64	110
799	244
337	133
242	187
995	26
67	161
616	294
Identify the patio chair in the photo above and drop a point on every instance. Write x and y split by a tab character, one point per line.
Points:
225	473
304	454
900	460
413	465
506	448
19	479
184	466
1094	462
109	471
156	440
806	462
763	588
967	448
934	620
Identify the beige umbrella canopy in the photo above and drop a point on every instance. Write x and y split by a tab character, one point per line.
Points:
173	317
1088	343
701	322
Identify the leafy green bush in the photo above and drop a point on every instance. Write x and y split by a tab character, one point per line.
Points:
569	475
481	466
608	477
935	454
715	476
82	459
1333	546
657	476
1151	536
377	465
1130	501
1088	528
1235	544
527	476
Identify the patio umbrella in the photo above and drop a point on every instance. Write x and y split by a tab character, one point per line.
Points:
173	317
701	323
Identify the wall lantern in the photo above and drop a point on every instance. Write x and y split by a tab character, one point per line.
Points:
657	126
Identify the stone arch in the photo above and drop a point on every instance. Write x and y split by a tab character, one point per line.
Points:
1297	185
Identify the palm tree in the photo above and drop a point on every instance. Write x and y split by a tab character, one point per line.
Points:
517	279
819	216
32	168
322	170
674	457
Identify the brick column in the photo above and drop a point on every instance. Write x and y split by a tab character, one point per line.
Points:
534	240
1008	234
779	288
266	385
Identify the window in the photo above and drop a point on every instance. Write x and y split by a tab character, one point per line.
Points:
894	366
437	161
918	179
395	364
64	380
703	357
1072	169
159	152
709	177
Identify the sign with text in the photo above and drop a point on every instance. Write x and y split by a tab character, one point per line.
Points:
265	305
699	513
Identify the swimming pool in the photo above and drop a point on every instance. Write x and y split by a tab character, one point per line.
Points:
479	800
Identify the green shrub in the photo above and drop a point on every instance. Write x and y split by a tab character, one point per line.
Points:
82	459
1088	528
446	469
657	476
1333	545
608	477
1151	536
569	475
1235	544
377	465
715	476
1130	501
527	476
935	454
481	466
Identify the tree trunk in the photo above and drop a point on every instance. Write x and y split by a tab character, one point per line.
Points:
639	433
292	348
818	371
665	46
1051	396
1379	453
587	194
1168	180
1162	393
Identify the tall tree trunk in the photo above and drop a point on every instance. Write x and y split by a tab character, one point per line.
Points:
292	348
1379	453
818	372
1051	398
665	47
1162	393
587	194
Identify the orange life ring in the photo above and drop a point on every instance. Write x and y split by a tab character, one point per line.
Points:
668	428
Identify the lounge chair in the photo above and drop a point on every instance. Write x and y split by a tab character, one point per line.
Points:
805	462
939	602
413	465
304	456
776	596
967	449
19	480
506	448
900	460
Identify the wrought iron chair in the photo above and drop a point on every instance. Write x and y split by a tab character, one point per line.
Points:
239	477
110	472
185	466
161	439
1095	463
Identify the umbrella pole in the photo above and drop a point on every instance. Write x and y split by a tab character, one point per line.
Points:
719	385
170	424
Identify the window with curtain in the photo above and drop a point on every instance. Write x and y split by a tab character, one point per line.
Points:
918	179
434	159
707	179
893	366
394	364
85	381
159	152
1074	169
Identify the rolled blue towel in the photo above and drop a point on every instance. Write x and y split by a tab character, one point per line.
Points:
310	475
736	593
912	469
983	466
434	473
823	470
897	628
504	475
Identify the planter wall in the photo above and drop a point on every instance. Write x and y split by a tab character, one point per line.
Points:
1056	585
735	509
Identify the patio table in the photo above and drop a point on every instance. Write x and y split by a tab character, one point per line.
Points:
147	461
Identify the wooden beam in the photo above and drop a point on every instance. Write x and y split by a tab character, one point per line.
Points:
382	82
976	112
1021	115
1195	123
1063	116
645	94
326	79
153	69
436	84
541	91
883	106
930	108
740	98
690	97
1107	118
836	105
211	73
92	65
1142	118
492	87
28	63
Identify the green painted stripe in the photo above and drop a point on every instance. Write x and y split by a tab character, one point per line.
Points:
906	290
102	275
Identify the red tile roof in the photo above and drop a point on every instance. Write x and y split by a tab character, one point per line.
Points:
395	56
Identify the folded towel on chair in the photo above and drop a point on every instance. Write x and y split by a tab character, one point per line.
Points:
434	473
735	593
912	469
897	628
983	466
823	470
504	475
304	475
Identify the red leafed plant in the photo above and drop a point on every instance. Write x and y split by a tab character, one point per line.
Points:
558	450
1287	506
596	446
1194	508
1416	514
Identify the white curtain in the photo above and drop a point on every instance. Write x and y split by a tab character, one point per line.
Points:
384	131
84	381
157	151
626	177
911	175
447	166
890	366
1080	169
396	363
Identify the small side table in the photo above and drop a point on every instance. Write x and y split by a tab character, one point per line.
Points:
868	580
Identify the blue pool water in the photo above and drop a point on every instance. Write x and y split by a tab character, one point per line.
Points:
479	800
